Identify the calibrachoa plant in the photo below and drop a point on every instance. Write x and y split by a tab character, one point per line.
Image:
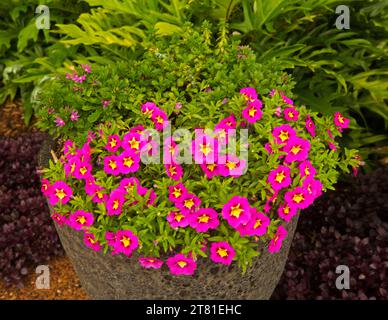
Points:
215	203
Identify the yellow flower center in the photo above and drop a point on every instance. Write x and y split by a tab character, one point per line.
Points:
204	218
113	143
99	194
280	176
81	220
211	166
83	170
290	114
159	119
236	211
125	241
205	148
91	240
230	165
341	119
60	193
178	217
128	162
115	204
306	171
182	264
172	170
283	135
222	252
252	112
257	224
112	164
177	192
298	197
148	112
286	210
189	203
296	149
134	144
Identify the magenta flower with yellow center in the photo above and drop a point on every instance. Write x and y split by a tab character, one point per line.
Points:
236	211
222	252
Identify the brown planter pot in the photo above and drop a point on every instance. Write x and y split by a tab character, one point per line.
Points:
104	276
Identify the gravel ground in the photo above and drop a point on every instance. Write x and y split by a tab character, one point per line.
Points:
64	285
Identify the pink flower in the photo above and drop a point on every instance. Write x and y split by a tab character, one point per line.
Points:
306	169
189	204
314	188
133	141
59	122
152	197
82	170
68	148
222	252
332	146
177	193
70	166
178	219
129	162
340	121
286	212
46	188
252	112
210	169
291	114
115	202
74	116
98	195
297	149
181	265
114	143
283	133
204	219
236	211
125	242
80	219
310	126
287	100
278	111
204	148
227	123
110	238
112	165
256	226
249	93
86	67
224	128
160	119
170	151
150	263
137	129
276	242
148	109
91	242
105	103
174	171
130	185
60	192
231	165
268	147
60	219
298	198
267	206
280	177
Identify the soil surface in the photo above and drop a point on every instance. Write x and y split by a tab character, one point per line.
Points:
12	120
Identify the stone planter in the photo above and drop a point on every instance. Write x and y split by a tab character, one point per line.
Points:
104	276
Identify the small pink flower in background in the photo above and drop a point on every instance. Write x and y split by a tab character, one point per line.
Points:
189	204
159	117
178	106
59	122
306	169
297	149
68	148
225	101
313	186
60	219
150	263
86	67
210	169
280	177
80	219
129	162
286	212
276	242
126	242
178	219
110	238
181	265
204	219
278	111
222	252
310	126
152	197
249	93
74	116
133	141
91	136
204	148
236	211
60	193
115	202
252	112
112	165
340	121
287	100
283	133
91	242
272	92
114	143
174	171
105	103
46	188
231	165
298	198
82	170
332	146
330	134
177	193
268	147
291	114
256	226
148	109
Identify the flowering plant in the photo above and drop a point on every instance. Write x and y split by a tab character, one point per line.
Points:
213	166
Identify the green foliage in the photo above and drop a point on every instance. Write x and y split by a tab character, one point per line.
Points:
198	73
